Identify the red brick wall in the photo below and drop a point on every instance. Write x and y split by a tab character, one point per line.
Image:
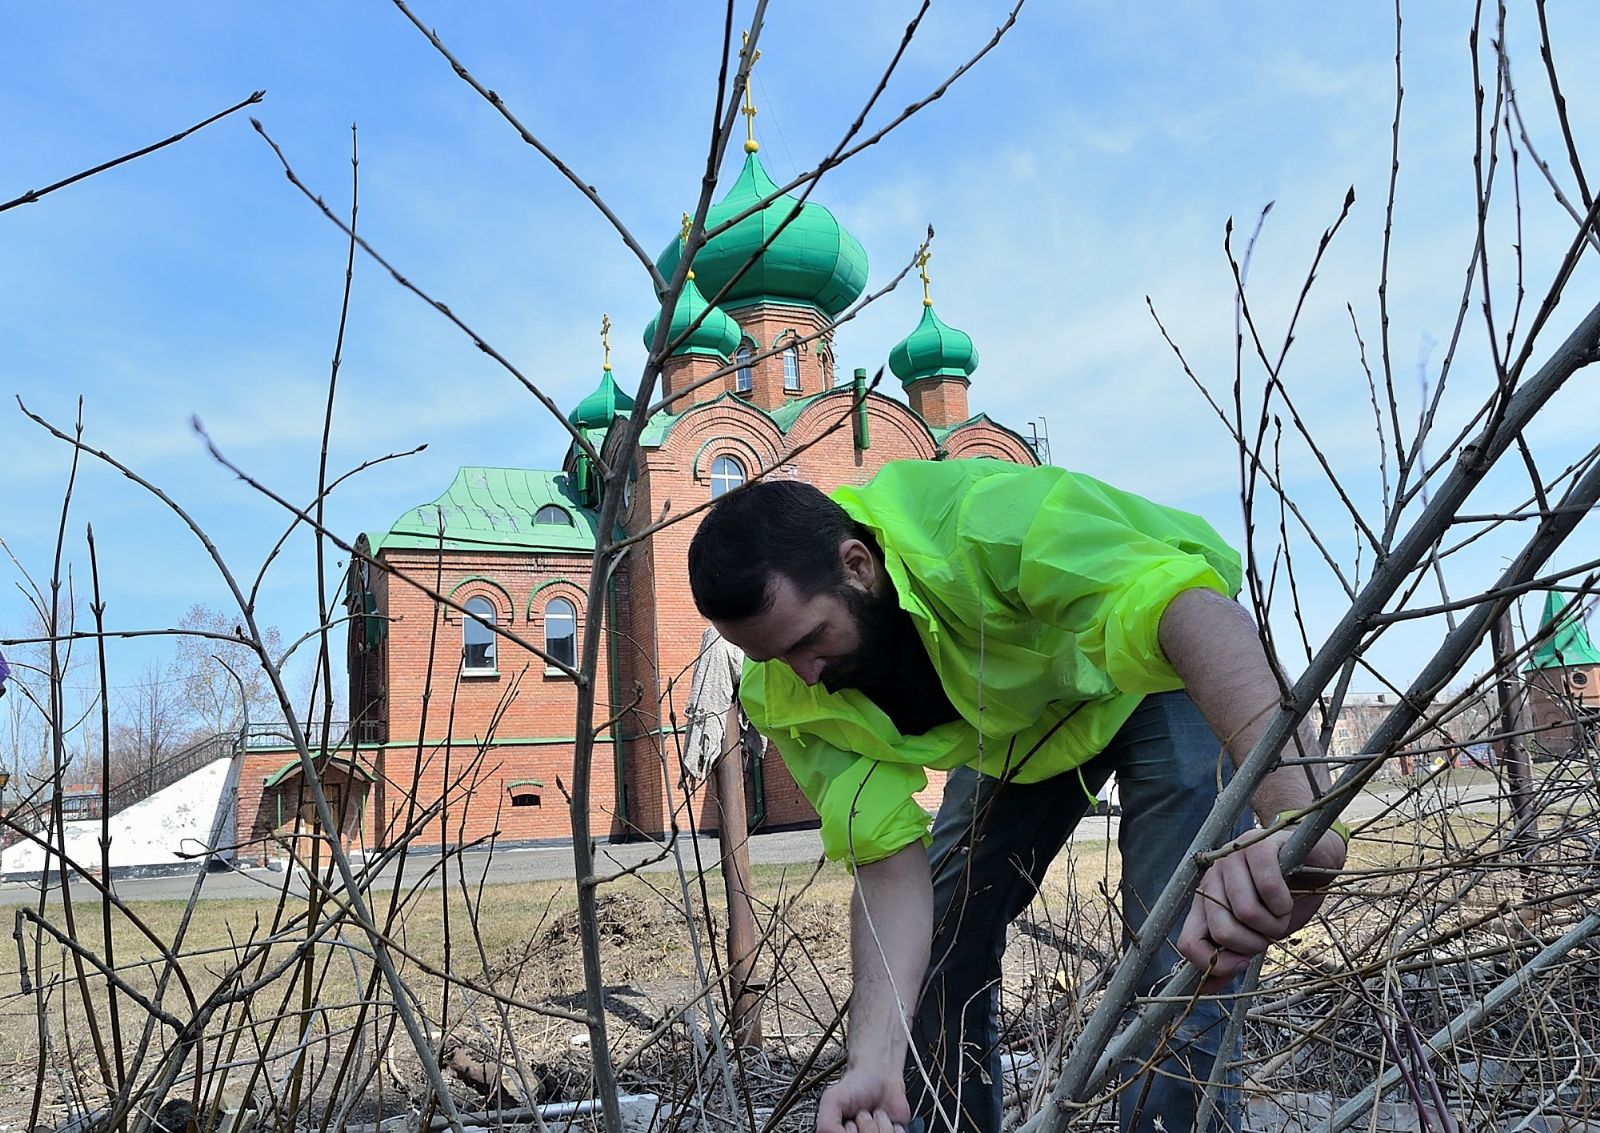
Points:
463	740
941	401
776	325
1556	698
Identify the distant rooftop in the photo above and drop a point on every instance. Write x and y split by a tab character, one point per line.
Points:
495	509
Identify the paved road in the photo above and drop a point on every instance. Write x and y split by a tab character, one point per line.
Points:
800	848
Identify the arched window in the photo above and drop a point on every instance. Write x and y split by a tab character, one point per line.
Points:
552	514
524	792
477	636
791	368
726	475
561	631
742	381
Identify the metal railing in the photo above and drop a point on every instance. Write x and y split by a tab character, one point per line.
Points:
168	771
336	735
258	737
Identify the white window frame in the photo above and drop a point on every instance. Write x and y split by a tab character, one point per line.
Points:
480	615
569	615
743	380
722	480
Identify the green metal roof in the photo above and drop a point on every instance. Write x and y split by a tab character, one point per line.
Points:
789	412
599	409
813	260
656	429
933	350
492	509
1570	644
942	436
716	335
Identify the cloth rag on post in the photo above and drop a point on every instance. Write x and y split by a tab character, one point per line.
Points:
712	691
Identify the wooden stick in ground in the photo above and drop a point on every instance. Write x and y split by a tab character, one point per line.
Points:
733	831
1512	755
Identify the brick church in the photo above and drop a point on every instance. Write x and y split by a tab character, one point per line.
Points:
447	714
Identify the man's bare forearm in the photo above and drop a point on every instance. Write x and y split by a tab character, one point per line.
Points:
891	924
1243	902
1215	647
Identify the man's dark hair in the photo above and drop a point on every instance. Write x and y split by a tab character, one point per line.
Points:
773	527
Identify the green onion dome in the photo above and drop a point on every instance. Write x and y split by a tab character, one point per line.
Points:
933	350
717	333
601	407
812	260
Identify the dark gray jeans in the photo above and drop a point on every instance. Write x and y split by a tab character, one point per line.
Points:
992	842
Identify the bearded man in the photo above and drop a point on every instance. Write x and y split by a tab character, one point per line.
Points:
1032	631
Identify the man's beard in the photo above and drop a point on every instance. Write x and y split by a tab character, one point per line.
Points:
876	617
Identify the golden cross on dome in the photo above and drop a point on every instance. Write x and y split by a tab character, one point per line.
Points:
923	256
683	235
749	107
605	339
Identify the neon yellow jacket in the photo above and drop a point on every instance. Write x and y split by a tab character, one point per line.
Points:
1037	592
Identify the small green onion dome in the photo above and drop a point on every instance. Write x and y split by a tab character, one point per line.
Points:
933	350
812	260
601	407
717	333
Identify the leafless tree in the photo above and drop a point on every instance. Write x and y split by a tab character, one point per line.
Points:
1499	911
220	681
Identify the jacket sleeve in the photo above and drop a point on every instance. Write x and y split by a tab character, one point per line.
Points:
1104	564
866	805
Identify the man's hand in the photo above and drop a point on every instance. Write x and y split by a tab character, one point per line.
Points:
865	1100
1244	903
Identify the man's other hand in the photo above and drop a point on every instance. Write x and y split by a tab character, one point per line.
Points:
1244	903
865	1100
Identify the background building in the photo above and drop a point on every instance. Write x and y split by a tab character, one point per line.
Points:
1563	682
450	720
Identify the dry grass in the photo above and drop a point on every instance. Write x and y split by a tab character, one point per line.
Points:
1432	910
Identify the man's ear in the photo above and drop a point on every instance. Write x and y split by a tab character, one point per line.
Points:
860	566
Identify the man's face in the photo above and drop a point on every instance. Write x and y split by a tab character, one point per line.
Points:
839	638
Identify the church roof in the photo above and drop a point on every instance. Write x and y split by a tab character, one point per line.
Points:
1569	645
933	350
717	335
811	258
599	409
494	509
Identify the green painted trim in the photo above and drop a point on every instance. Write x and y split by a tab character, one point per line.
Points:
534	593
525	783
511	607
744	446
941	436
514	741
354	765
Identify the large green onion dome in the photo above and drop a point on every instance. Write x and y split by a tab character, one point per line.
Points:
717	334
812	260
933	350
601	407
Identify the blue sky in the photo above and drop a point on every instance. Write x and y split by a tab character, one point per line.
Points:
1091	161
